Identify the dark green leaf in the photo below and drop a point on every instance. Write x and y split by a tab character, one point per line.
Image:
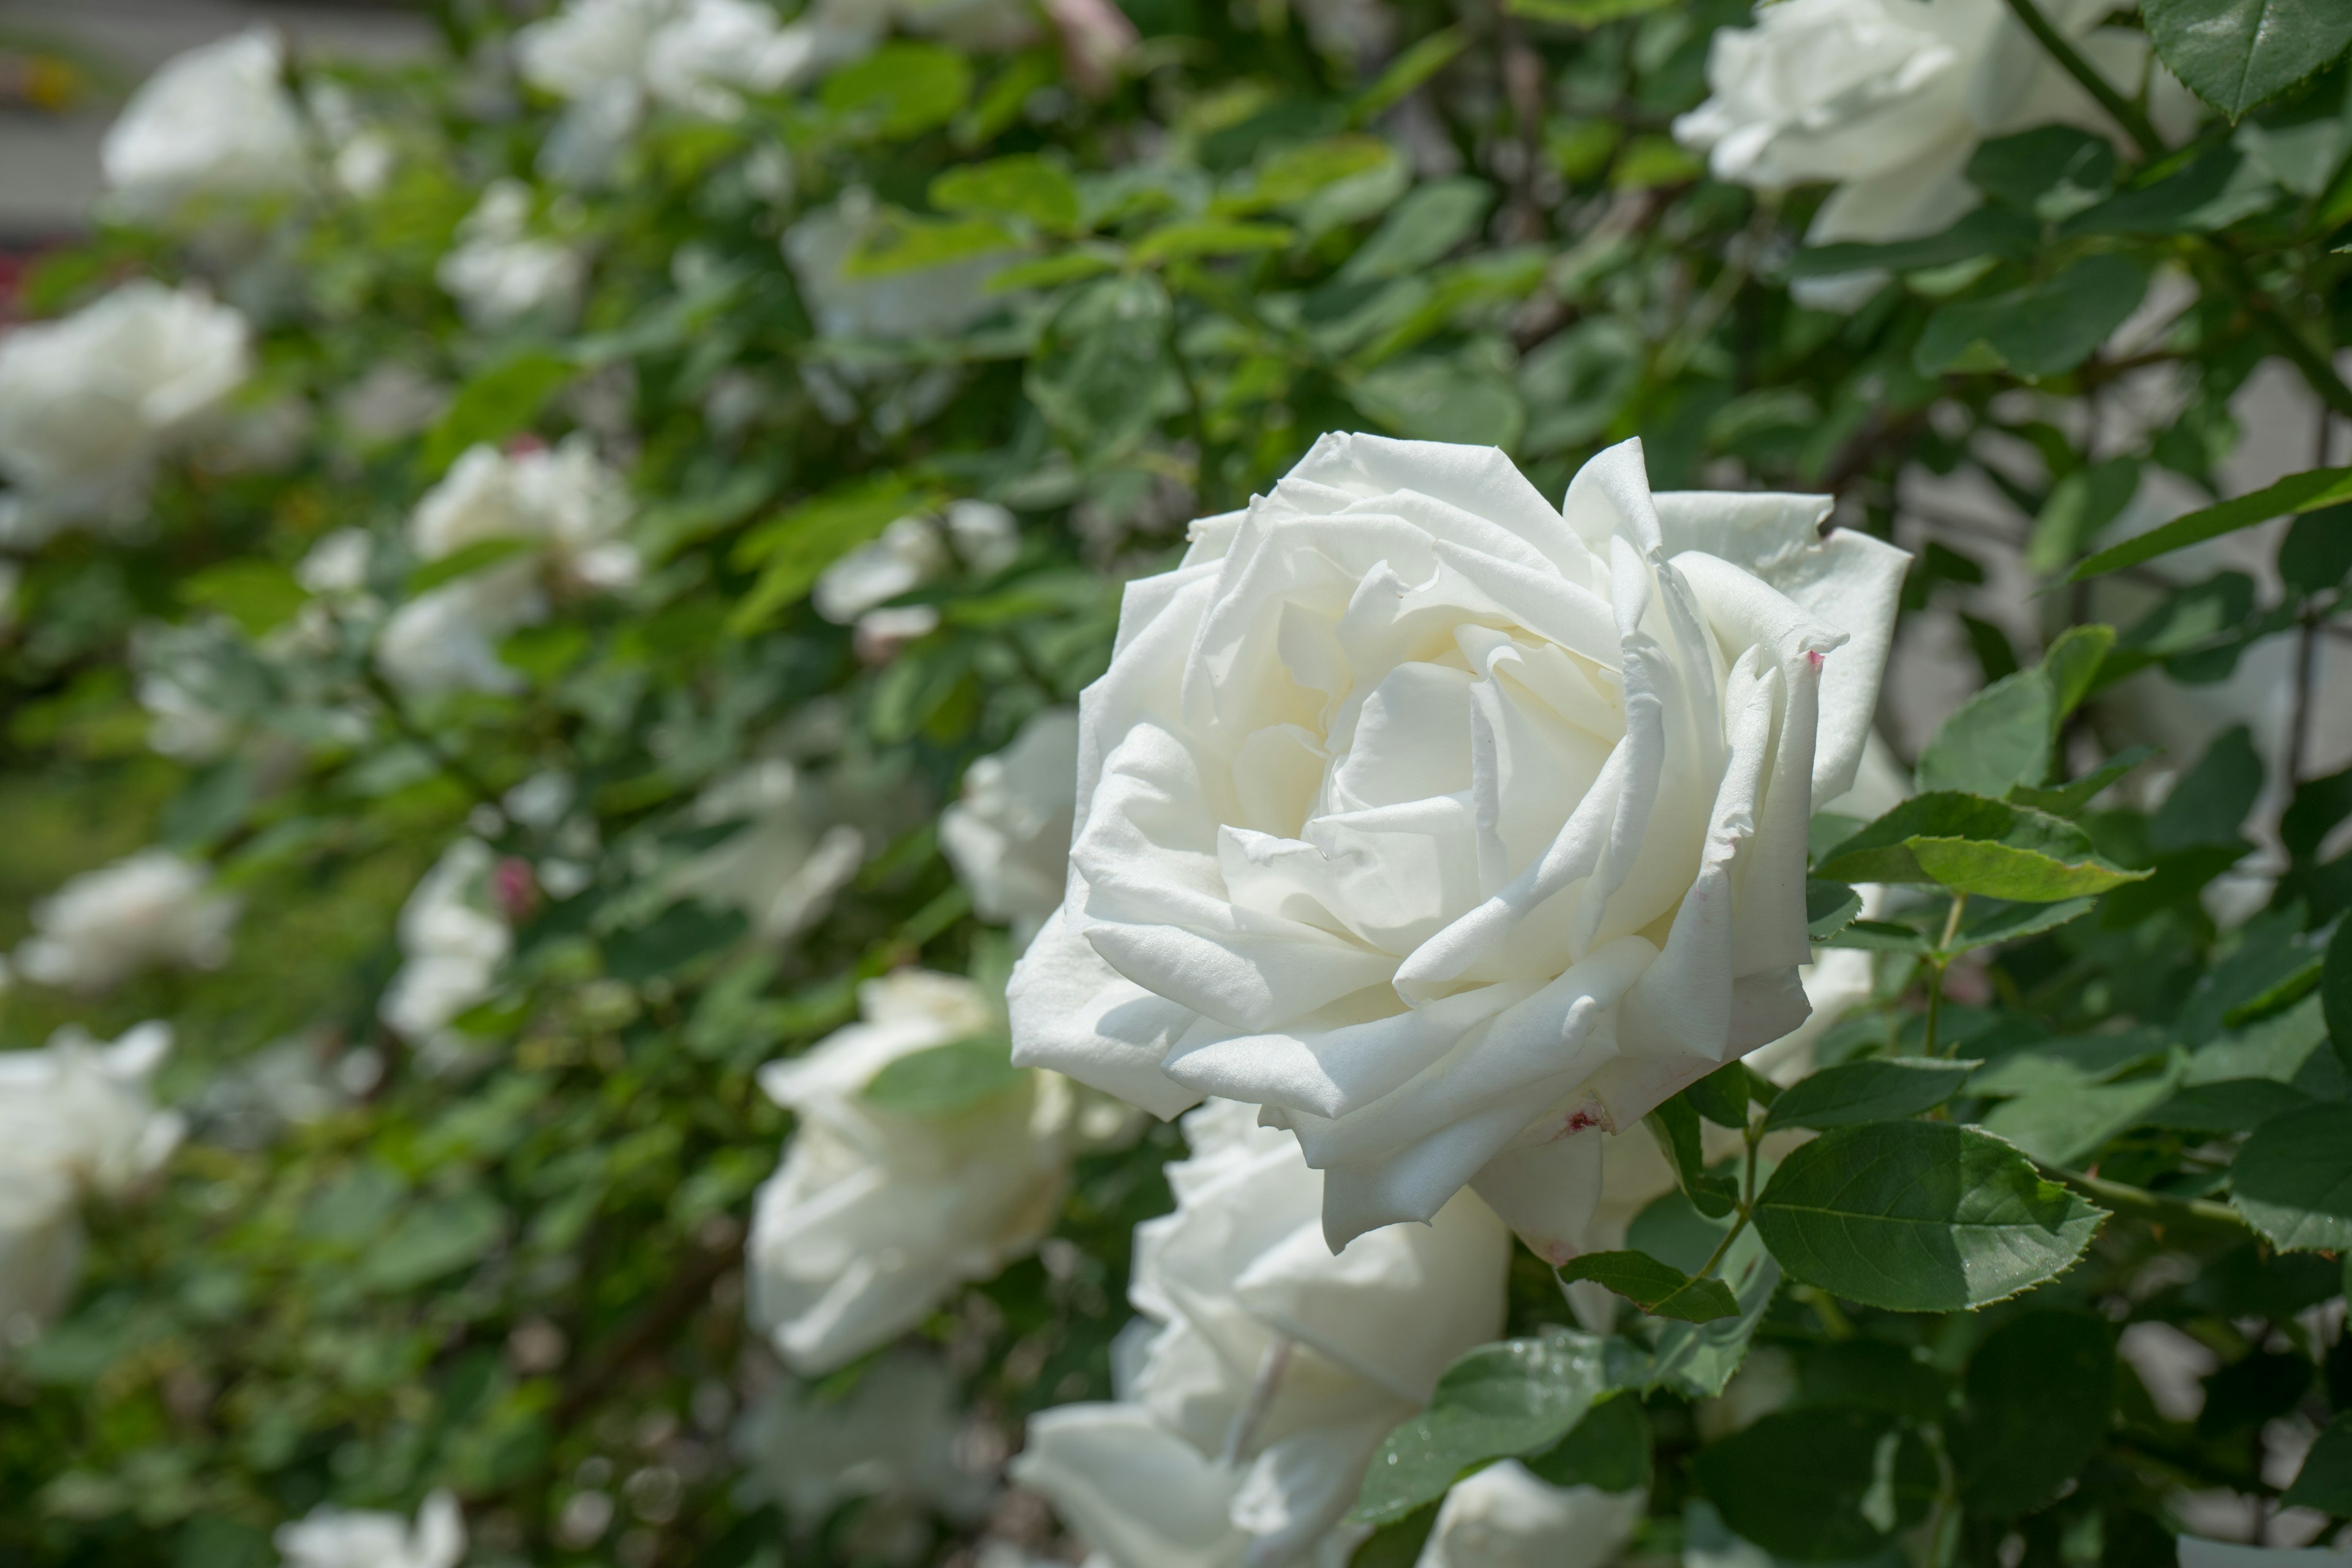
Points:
2317	553
2210	802
1698	1359
2008	922
2217	190
1801	1483
1920	1216
1882	1090
2042	330
1829	906
2236	54
2040	1394
1999	738
2066	1125
2228	1105
2325	1482
2297	493
1676	1125
1096	375
1398	1543
2080	507
1416	65
2066	800
1722	1095
1431	220
1976	845
2293	1179
901	89
2051	172
1989	230
2336	988
497	401
679	935
432	1239
1608	1449
1657	1288
1518	1396
466	560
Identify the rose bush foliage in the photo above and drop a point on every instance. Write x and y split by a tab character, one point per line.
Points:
670	682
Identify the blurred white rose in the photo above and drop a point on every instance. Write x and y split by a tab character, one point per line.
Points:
565	508
147	910
1505	1517
856	589
181	724
357	1538
878	1212
929	302
499	274
1889	98
77	1118
788	861
216	122
361	156
1009	837
1272	1369
452	942
890	1439
338	563
88	403
1444	824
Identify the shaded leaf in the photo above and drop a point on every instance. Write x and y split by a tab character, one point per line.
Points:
1658	1288
1880	1090
2293	1179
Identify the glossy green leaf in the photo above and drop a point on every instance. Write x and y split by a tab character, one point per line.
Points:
1517	1396
1658	1288
2293	1179
2237	54
1920	1216
1830	907
1608	1449
1881	1090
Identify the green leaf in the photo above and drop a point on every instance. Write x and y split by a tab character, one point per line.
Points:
2051	171
901	89
1989	230
2293	1179
793	548
2227	1105
2325	1482
1830	907
1722	1095
1409	70
1997	739
2044	330
679	935
2236	54
1398	1543
431	1239
501	398
1097	374
2066	800
1698	1359
466	560
2002	871
1884	936
1024	186
1920	1216
1211	237
900	242
1972	844
2302	492
1293	174
1608	1449
2040	1394
2221	187
2079	509
1051	271
1431	220
2008	922
2074	662
1818	1485
1431	398
257	594
1583	13
1674	1123
2336	988
1657	1288
1880	1090
2065	1124
1517	1396
946	1078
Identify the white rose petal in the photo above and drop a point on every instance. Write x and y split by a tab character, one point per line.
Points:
1265	1369
1009	837
452	943
984	534
217	122
1443	825
876	1214
148	911
88	403
1503	1517
354	1538
499	274
907	554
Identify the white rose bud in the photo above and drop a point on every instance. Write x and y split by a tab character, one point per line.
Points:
878	1211
1442	825
216	122
356	1537
1272	1369
88	403
151	909
77	1118
1009	837
1890	99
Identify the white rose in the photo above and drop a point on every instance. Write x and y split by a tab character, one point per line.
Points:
566	507
215	122
1441	823
337	565
1505	1517
876	1214
76	1117
1272	1369
890	1439
905	555
452	942
498	274
929	302
356	1537
1009	837
1890	99
788	861
88	404
147	910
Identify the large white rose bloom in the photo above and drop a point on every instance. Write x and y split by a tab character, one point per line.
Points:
357	1538
1272	1369
783	867
1009	837
88	403
151	909
566	507
452	942
498	273
1505	1517
216	122
76	1118
1889	98
877	1214
1443	825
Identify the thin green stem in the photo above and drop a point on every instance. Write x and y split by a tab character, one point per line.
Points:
1706	1268
2121	110
1937	964
2155	1207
